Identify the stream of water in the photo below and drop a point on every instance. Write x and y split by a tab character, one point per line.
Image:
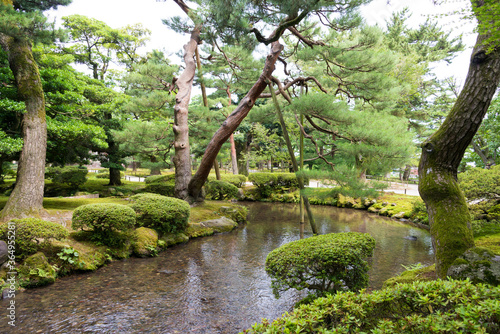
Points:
210	285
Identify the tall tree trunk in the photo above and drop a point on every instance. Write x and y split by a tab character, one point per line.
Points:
182	160
27	197
231	123
113	159
234	159
156	169
449	217
243	164
300	178
406	173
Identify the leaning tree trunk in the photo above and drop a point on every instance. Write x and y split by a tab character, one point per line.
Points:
182	159
231	123
441	155
27	197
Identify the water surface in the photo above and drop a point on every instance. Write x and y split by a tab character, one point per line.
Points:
214	284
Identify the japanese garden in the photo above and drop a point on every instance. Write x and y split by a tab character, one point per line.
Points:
294	168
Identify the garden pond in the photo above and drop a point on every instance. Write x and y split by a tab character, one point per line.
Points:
214	284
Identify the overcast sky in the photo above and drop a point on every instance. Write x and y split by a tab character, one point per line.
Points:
119	13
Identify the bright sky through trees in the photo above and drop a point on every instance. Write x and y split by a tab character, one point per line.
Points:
119	13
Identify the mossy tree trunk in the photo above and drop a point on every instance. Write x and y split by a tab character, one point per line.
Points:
182	159
27	197
449	217
231	123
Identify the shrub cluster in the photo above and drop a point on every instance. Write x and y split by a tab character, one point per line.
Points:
164	214
480	183
324	263
220	190
268	183
236	180
160	184
108	221
32	234
73	176
421	307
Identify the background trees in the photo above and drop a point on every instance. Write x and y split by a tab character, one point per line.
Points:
20	23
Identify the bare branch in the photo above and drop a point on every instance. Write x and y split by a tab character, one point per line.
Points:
320	156
304	39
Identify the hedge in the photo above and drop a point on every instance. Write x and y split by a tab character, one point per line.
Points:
236	180
220	190
159	178
421	307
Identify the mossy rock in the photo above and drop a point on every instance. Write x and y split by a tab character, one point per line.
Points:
368	202
90	256
236	213
480	265
410	276
171	239
373	209
146	242
346	201
196	230
36	271
220	225
400	215
384	211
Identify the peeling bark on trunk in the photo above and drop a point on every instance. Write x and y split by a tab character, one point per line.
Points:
27	197
234	160
441	155
182	160
231	123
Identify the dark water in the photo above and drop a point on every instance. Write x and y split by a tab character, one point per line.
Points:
210	285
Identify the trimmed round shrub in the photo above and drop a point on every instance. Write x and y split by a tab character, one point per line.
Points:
106	220
421	307
324	263
31	234
161	213
220	190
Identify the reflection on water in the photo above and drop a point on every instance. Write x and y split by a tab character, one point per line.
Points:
210	285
